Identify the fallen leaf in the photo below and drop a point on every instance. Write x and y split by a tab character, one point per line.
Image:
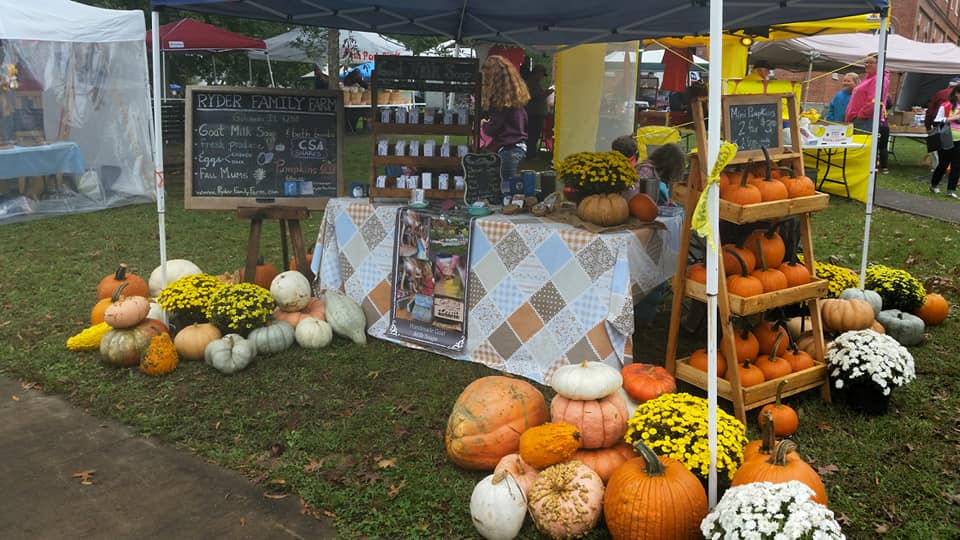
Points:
329	514
882	529
824	427
274	495
15	397
313	465
373	374
217	425
243	521
30	386
827	470
276	449
278	482
953	497
909	447
386	463
395	489
85	476
405	408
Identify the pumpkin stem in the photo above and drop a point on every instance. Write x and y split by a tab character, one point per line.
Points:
499	477
767	434
259	260
763	260
743	265
583	364
776	347
766	157
746	173
654	467
779	456
121	273
780	386
118	292
772	230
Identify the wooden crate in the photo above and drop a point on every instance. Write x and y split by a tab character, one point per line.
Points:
765	211
761	394
749	305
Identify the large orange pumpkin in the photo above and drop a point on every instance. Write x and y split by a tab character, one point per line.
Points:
654	497
601	422
136	286
782	466
643	207
604	461
488	418
935	309
644	382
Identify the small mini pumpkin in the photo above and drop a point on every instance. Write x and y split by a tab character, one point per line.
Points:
313	333
193	340
566	500
548	444
698	359
160	357
935	309
605	209
229	354
291	290
586	380
773	365
498	507
784	418
273	338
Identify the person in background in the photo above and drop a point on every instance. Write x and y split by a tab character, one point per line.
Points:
936	101
760	72
536	108
860	108
837	110
949	158
666	163
504	96
883	137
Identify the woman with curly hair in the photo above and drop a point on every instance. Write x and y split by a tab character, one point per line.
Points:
504	96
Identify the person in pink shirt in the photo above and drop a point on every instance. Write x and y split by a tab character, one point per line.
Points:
860	108
951	113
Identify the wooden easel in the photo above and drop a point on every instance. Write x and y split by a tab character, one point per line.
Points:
287	215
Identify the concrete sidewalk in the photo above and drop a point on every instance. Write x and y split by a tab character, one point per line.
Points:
938	207
141	488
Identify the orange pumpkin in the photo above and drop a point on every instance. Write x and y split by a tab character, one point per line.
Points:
263	274
773	365
796	273
783	417
136	286
771	278
488	418
798	360
750	375
601	422
767	333
643	207
935	309
604	461
746	345
293	261
798	186
781	467
96	314
772	247
654	497
698	360
643	382
697	272
315	308
731	265
742	283
605	209
740	192
770	189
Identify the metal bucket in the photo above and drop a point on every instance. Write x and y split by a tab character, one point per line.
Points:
650	186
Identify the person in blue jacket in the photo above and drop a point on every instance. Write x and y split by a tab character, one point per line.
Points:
838	106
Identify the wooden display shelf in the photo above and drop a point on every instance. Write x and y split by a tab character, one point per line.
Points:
749	305
760	394
783	153
433	194
751	213
445	163
423	129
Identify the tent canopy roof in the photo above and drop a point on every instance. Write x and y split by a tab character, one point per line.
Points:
838	51
190	35
533	22
63	20
355	47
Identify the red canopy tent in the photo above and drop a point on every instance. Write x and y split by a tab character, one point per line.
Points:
190	35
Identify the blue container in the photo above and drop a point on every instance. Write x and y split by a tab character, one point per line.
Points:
529	182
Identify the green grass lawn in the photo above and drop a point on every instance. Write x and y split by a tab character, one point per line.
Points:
357	432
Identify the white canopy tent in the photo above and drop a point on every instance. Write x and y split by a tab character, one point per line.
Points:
355	48
84	69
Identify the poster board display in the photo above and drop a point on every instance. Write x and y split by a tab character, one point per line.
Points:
753	122
250	147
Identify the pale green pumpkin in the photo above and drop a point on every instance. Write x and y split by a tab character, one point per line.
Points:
229	354
273	338
902	326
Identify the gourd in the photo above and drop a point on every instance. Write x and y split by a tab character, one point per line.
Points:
345	316
773	365
601	422
781	467
771	278
643	207
935	309
654	497
136	286
548	444
263	273
871	297
498	507
192	341
160	357
521	471
127	311
487	419
845	315
229	354
89	338
902	326
122	347
643	382
315	308
604	461
566	500
604	209
176	269
784	418
291	290
742	283
586	380
273	338
313	333
96	314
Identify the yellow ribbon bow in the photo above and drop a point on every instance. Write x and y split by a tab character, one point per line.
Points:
701	214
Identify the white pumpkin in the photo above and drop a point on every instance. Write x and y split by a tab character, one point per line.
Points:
871	297
498	507
291	290
345	316
273	338
229	354
312	333
176	269
156	312
586	380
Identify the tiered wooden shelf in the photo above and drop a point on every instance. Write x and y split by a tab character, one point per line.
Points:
730	305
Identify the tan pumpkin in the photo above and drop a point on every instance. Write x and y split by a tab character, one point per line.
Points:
604	461
844	315
96	314
606	209
548	444
566	500
522	472
488	418
193	340
601	422
126	312
315	308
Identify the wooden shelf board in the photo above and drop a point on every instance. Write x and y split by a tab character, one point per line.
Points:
773	210
433	194
422	129
761	394
446	163
741	305
781	153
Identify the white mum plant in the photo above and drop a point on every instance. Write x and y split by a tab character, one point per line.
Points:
768	511
864	355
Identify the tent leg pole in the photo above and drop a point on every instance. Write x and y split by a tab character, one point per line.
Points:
874	147
158	148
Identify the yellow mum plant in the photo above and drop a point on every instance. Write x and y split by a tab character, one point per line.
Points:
186	299
675	425
597	172
238	309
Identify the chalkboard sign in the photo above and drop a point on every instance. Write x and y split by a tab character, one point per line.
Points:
396	69
28	119
753	122
482	178
262	146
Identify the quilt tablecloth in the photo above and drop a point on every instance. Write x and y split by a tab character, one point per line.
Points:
541	294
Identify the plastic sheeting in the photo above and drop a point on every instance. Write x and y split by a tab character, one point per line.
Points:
90	104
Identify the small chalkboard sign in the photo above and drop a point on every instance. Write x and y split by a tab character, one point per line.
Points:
753	122
261	146
28	119
482	178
